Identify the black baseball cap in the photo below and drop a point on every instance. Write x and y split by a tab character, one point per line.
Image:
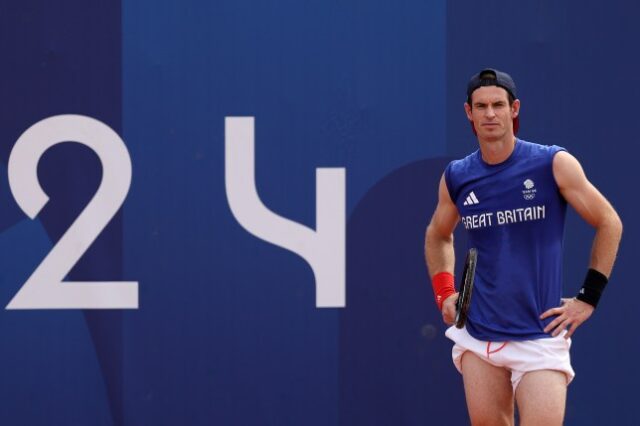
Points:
491	77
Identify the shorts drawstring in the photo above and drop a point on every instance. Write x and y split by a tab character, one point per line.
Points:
489	351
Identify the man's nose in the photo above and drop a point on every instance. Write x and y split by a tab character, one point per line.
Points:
490	112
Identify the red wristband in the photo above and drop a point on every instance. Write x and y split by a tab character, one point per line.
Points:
442	287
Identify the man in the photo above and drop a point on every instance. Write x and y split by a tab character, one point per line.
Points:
511	197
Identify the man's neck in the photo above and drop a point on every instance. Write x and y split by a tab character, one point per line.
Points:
497	151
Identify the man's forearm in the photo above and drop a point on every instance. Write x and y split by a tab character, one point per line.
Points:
605	245
439	253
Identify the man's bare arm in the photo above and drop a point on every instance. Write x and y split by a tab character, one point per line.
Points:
592	207
438	248
439	238
598	212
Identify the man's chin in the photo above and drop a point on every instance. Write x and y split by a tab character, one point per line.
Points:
492	137
492	134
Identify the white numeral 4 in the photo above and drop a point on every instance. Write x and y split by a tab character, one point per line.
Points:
325	248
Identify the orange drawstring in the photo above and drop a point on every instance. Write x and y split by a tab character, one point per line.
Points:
489	351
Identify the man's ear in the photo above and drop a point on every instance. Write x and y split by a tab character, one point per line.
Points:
467	110
515	108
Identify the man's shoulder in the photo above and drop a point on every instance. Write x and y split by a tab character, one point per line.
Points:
464	162
533	148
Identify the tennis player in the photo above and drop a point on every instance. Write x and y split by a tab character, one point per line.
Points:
511	197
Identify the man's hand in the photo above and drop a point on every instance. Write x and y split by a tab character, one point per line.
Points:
449	309
570	315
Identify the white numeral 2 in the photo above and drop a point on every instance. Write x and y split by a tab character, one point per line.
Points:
45	288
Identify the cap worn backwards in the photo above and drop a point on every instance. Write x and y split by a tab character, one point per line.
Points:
491	77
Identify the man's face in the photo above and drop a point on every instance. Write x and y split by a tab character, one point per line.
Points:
491	114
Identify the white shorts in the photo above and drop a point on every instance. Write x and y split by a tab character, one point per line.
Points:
519	357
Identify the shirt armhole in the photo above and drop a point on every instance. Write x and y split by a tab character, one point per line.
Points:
554	150
449	183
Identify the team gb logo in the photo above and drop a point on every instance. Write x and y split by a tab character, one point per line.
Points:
529	192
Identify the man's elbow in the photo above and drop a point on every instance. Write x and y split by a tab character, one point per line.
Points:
613	224
618	224
434	235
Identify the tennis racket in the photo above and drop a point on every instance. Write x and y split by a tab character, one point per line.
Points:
466	287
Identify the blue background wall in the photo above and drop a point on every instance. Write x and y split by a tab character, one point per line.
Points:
227	331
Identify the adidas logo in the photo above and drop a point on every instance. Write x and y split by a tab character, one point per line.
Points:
471	200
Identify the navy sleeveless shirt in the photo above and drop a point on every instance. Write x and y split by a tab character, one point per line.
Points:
514	215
